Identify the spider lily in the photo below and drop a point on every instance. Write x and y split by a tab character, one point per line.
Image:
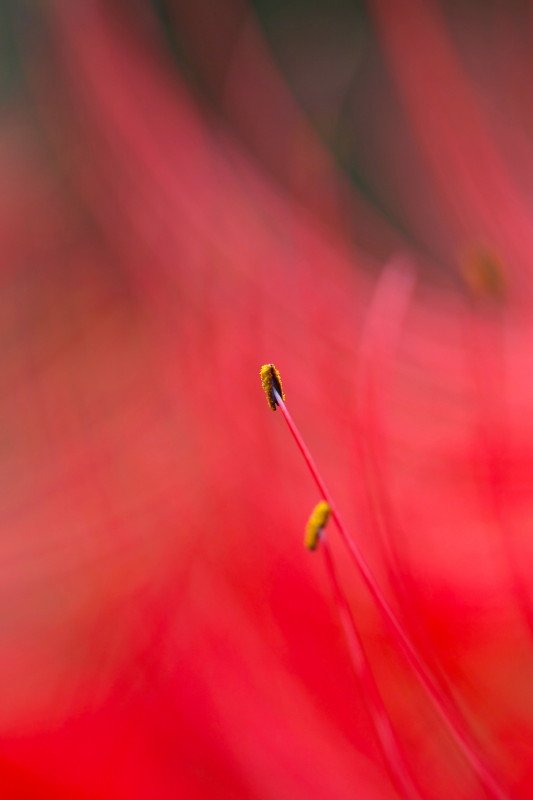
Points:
164	631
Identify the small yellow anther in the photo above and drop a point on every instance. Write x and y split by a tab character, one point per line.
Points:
271	380
316	524
484	273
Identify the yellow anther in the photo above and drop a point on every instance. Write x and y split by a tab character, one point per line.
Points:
271	380
484	273
316	524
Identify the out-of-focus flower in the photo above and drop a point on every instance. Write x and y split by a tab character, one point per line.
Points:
172	217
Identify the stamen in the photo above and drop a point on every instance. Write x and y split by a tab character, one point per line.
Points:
386	736
388	741
316	524
444	706
271	380
484	273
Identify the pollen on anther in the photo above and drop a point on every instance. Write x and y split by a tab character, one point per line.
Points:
316	524
484	273
271	380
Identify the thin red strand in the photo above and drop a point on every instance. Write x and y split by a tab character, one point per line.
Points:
388	741
447	713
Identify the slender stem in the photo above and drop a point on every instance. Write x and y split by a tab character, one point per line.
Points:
387	738
448	714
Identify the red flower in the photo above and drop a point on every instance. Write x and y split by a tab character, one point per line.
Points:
165	633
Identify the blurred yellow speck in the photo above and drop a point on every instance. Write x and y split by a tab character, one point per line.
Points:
484	273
